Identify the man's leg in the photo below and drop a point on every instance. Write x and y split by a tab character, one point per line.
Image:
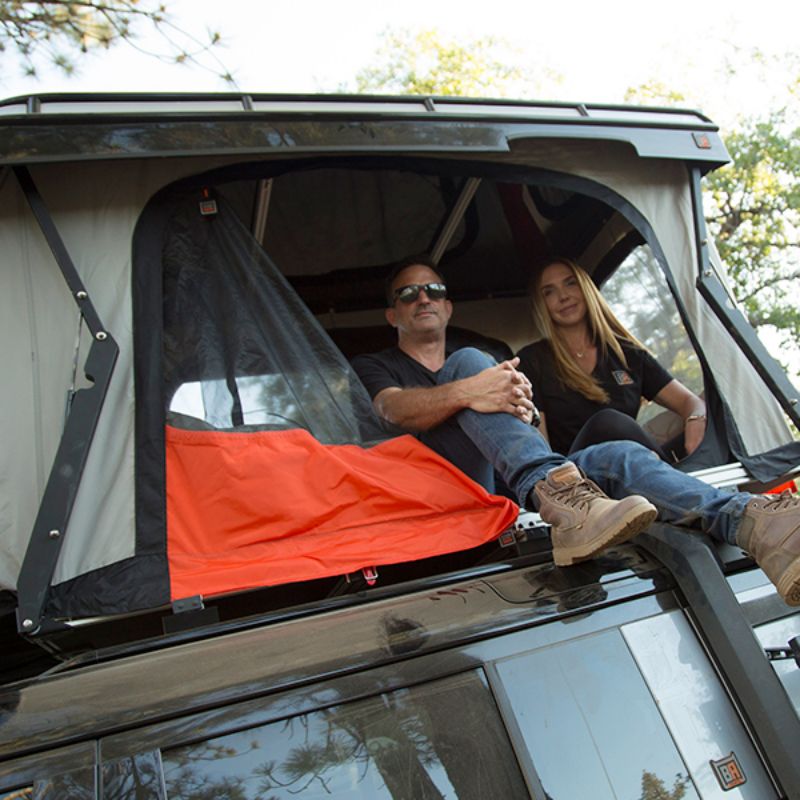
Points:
480	443
584	521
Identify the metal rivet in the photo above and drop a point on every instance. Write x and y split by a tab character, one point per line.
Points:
27	624
703	242
81	295
101	336
708	273
54	534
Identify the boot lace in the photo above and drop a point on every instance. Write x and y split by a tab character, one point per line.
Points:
576	495
785	500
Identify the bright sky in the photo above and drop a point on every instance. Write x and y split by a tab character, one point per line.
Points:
701	48
598	49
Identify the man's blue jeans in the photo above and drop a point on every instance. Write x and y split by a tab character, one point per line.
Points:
480	443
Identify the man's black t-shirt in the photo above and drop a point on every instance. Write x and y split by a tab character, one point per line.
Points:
566	410
392	367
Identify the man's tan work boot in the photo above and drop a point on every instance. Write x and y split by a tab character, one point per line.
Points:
584	520
770	532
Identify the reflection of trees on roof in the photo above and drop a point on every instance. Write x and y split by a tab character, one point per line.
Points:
190	771
415	743
653	788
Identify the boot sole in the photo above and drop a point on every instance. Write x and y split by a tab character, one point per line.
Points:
789	584
632	524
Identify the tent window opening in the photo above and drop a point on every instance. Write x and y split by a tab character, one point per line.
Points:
264	400
276	468
639	294
241	348
640	297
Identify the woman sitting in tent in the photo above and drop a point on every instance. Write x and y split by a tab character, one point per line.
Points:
589	373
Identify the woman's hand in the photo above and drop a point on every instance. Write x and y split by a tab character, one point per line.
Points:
694	429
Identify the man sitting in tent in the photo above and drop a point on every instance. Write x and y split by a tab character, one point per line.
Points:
477	414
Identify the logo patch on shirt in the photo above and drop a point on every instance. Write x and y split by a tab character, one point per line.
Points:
622	378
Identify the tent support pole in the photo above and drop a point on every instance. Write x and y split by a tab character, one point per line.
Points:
59	495
456	215
732	318
263	196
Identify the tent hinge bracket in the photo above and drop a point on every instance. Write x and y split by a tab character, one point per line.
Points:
50	526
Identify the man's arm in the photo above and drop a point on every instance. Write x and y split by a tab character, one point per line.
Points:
500	388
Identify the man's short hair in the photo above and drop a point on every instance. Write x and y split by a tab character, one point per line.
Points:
421	260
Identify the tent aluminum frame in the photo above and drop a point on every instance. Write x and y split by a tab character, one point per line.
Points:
51	522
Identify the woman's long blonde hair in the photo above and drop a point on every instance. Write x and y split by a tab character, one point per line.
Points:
605	329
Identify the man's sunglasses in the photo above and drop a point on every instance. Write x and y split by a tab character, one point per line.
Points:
408	294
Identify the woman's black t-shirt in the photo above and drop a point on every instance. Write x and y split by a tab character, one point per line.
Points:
566	410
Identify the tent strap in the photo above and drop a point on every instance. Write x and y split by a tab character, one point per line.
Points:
59	495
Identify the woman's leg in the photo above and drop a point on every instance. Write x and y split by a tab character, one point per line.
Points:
610	425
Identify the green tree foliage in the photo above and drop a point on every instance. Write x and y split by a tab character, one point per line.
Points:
427	62
55	30
754	216
753	212
654	93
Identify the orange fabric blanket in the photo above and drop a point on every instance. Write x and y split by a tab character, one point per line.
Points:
271	507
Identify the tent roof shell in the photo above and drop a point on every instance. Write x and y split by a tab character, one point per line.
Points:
47	128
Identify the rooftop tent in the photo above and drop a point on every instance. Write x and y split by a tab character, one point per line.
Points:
113	556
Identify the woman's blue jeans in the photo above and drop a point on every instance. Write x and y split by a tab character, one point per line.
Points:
480	443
